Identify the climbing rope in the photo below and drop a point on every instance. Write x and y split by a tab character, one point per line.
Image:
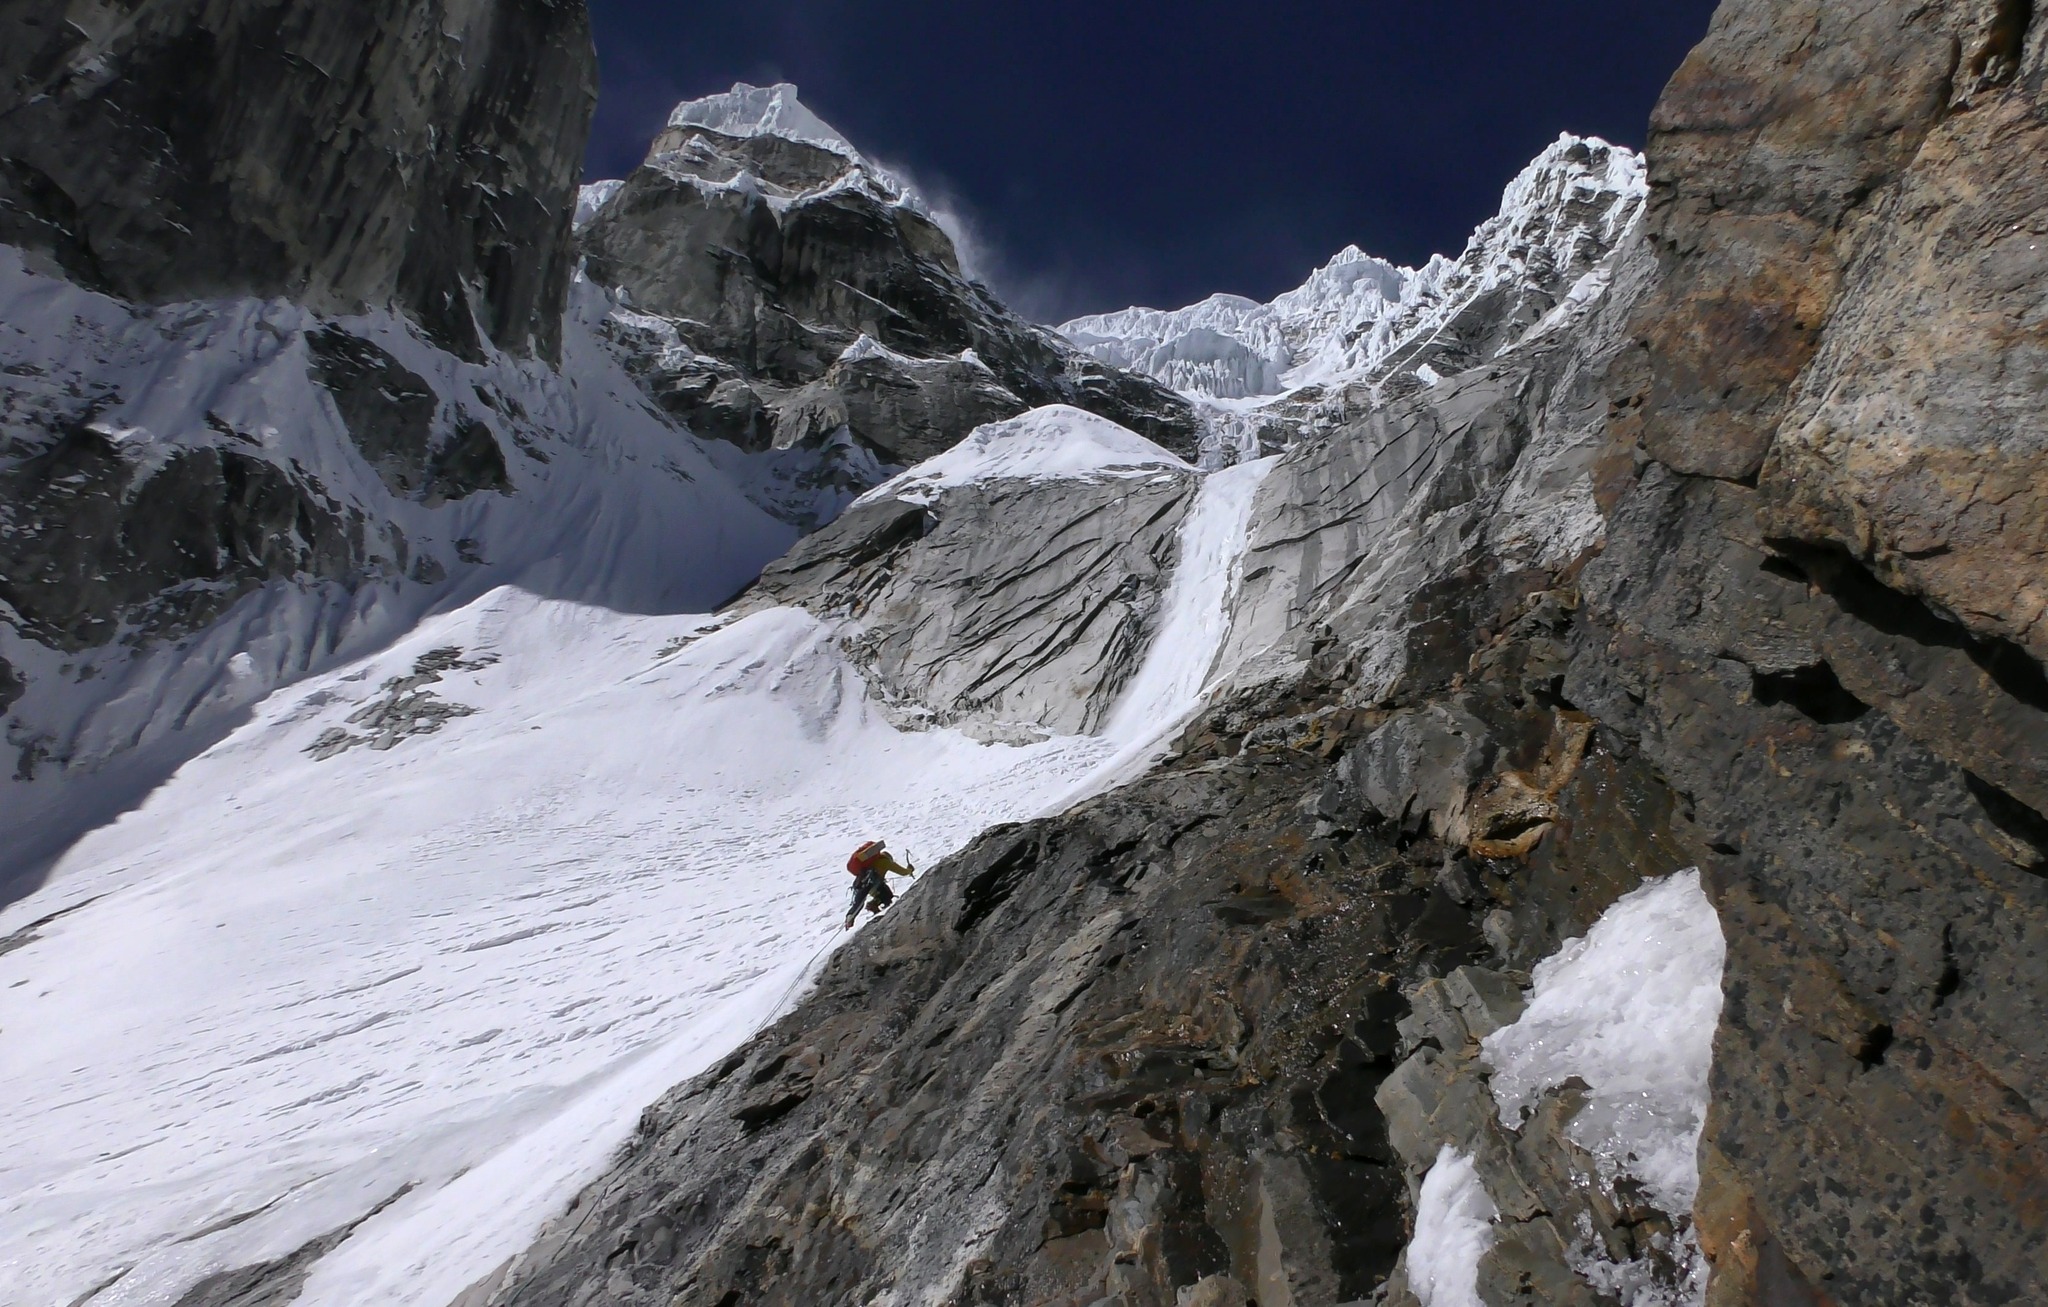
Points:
804	971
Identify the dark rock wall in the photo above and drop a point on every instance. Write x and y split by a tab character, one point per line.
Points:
775	279
92	551
1818	613
424	155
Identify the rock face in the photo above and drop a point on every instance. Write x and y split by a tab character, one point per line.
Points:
417	156
1011	588
1491	470
1008	608
1818	613
1730	564
1125	1055
1713	543
287	353
777	287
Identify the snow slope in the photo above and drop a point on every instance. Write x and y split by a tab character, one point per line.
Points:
609	504
1055	441
424	990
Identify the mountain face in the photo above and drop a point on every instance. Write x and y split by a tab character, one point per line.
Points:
1522	783
1665	587
417	155
390	391
1334	345
777	289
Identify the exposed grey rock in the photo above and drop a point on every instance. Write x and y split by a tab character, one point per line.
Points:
1419	767
93	543
275	1283
1489	474
776	285
391	413
906	410
407	707
1556	1212
1006	606
1214	1291
424	156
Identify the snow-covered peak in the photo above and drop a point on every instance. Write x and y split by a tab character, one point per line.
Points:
747	112
1055	442
763	111
1359	316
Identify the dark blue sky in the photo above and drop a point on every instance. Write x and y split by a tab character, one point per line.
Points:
1153	151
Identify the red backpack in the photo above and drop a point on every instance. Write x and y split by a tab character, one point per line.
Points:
864	857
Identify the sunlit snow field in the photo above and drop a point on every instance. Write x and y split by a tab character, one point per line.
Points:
286	988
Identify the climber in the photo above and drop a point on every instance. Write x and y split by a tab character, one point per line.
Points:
871	866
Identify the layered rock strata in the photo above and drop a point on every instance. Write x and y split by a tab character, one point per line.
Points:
1009	608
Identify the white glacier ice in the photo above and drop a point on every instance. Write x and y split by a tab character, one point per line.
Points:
1225	347
1195	612
1453	1229
592	197
774	110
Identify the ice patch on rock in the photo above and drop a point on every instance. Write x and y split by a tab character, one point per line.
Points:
1642	1282
1630	1008
1196	609
1052	442
593	197
1453	1229
775	110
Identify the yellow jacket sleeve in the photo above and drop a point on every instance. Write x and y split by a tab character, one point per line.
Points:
889	866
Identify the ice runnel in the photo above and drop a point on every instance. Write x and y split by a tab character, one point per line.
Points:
1195	614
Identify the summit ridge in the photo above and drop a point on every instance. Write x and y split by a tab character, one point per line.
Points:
1359	317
